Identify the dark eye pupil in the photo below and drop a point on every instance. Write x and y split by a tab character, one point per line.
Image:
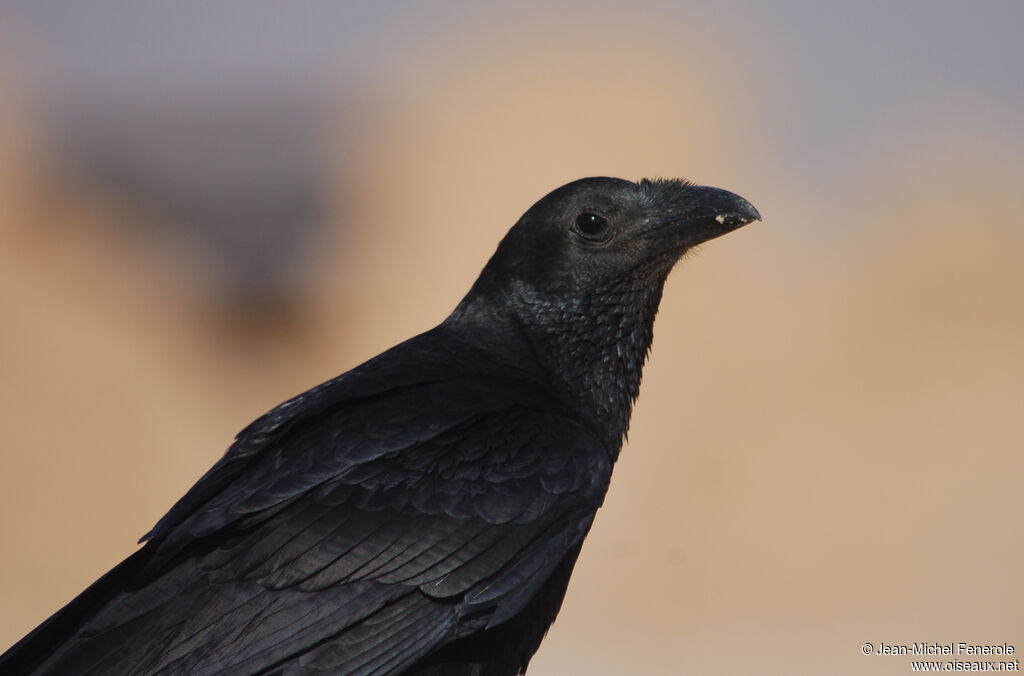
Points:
591	224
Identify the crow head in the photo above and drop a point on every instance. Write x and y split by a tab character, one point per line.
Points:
605	233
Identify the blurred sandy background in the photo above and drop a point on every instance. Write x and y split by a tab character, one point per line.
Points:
205	211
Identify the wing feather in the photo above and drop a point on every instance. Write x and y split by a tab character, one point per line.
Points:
356	534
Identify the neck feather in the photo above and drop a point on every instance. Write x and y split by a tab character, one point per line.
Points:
595	348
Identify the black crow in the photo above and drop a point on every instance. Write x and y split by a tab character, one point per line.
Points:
421	513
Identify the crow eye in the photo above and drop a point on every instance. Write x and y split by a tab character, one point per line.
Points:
592	226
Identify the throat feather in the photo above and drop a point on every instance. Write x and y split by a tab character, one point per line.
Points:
595	347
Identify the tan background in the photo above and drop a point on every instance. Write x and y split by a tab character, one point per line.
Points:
828	445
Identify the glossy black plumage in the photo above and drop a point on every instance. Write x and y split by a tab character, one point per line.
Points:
422	513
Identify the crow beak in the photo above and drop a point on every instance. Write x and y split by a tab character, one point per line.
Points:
714	213
728	209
